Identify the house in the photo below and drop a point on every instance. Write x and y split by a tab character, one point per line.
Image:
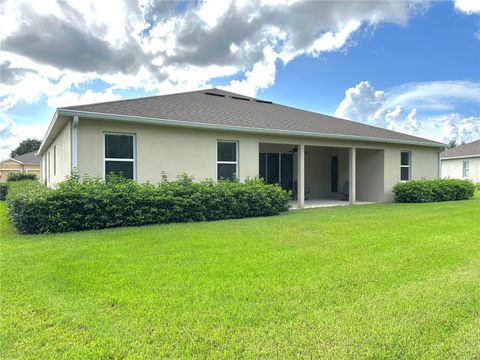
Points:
218	134
29	163
462	162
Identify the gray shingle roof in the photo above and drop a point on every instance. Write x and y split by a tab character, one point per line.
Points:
466	150
28	158
218	107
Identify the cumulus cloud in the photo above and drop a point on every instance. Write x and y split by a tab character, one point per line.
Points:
399	108
10	75
12	133
70	98
51	48
161	45
468	6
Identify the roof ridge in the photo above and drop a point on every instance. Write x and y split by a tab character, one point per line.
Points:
134	99
164	95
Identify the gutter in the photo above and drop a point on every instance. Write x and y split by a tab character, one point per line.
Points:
243	129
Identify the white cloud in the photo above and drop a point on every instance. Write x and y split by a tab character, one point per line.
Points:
73	98
456	127
468	6
260	77
52	48
12	133
145	44
399	108
436	95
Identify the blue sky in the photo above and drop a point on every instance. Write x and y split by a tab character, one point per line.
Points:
410	67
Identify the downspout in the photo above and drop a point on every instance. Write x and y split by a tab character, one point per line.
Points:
74	143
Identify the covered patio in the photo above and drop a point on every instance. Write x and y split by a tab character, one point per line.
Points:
324	176
321	203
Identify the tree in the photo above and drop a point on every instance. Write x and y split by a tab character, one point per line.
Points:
26	146
451	144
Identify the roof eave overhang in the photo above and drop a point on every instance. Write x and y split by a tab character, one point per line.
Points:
41	149
460	157
199	125
12	159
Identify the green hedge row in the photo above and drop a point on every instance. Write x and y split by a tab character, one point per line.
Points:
19	176
12	177
3	191
421	191
96	204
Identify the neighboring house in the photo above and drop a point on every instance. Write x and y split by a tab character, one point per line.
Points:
217	134
29	163
462	162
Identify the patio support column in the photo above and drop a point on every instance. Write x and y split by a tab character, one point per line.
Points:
301	176
352	176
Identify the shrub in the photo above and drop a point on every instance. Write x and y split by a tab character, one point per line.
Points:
420	191
96	204
19	176
3	191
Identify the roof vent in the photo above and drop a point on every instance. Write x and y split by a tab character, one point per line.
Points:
263	101
240	98
214	94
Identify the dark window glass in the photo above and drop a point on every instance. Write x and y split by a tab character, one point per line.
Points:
405	158
263	166
227	151
118	146
226	171
122	168
287	171
404	173
273	168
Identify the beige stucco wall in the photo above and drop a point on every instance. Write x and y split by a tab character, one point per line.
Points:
63	148
8	166
175	150
453	169
370	175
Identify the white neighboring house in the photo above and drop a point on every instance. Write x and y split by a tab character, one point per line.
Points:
462	162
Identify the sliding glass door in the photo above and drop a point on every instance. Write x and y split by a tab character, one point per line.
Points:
277	168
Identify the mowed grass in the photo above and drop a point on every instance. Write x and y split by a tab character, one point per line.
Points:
378	281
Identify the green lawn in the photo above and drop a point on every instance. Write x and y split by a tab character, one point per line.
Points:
379	281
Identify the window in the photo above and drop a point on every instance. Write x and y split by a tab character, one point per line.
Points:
120	155
405	159
48	166
54	160
227	160
466	168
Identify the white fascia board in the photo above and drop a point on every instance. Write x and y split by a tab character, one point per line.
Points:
197	125
460	157
47	134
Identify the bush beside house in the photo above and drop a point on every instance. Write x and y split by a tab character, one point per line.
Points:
3	191
12	177
422	191
19	176
96	204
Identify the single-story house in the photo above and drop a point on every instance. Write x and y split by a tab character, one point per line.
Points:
462	162
28	163
218	134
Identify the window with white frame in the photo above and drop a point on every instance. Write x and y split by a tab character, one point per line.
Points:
119	155
405	165
227	160
466	168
